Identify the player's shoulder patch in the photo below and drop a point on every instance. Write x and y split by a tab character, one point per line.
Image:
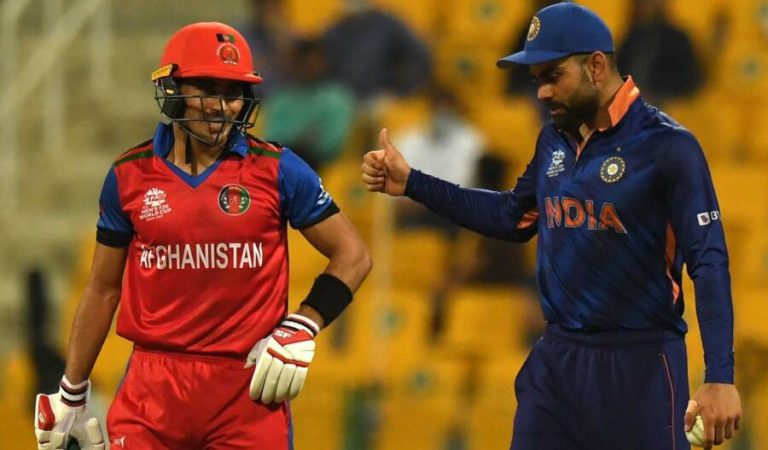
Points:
260	147
143	150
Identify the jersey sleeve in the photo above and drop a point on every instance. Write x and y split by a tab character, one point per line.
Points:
303	199
114	229
694	214
510	215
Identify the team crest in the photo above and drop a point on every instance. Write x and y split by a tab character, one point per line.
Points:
234	199
613	169
533	30
229	53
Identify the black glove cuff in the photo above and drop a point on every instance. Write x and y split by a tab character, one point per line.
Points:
329	296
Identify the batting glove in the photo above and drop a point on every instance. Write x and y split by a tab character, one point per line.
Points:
282	360
62	417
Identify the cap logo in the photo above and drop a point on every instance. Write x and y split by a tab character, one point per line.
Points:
228	53
533	30
234	199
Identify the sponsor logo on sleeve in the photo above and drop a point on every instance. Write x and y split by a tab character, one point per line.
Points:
323	196
707	217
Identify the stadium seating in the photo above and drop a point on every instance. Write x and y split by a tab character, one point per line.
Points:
421	15
493	409
488	321
490	23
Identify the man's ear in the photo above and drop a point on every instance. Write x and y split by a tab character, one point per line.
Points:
598	66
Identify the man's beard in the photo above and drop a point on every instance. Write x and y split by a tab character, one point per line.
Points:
580	108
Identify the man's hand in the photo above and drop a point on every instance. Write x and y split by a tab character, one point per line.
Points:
282	360
385	170
720	407
61	417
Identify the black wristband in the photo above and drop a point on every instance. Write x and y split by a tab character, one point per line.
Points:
329	296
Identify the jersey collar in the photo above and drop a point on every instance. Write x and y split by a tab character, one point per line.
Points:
625	96
162	141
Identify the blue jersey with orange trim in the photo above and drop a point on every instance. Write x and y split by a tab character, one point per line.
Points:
207	264
617	216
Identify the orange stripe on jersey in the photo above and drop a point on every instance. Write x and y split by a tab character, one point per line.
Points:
669	256
529	218
621	102
625	96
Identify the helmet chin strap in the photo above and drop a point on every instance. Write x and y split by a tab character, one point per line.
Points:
189	154
216	142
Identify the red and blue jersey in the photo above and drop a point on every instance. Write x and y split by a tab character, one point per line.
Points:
617	215
207	263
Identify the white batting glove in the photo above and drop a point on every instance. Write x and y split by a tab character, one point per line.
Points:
62	417
282	360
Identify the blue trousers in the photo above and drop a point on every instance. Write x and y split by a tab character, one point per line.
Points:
602	391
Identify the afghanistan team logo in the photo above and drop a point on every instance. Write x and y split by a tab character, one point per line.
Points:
533	30
234	199
227	50
613	169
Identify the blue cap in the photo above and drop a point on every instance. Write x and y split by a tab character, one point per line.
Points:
558	31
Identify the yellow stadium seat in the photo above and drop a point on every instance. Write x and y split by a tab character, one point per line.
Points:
324	13
614	13
749	19
387	333
490	23
493	409
488	320
398	114
418	259
17	404
319	410
750	313
742	194
742	70
420	15
511	126
749	257
716	121
422	404
698	18
468	67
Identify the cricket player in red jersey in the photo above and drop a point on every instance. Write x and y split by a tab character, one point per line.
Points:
192	244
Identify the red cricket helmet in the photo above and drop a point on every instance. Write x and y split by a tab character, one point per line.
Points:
208	49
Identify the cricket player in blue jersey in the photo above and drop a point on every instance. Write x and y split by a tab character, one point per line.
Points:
621	197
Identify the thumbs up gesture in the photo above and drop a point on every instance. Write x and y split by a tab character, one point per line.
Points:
385	170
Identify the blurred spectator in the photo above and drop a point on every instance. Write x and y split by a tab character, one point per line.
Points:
310	114
448	146
373	52
270	37
659	54
48	361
